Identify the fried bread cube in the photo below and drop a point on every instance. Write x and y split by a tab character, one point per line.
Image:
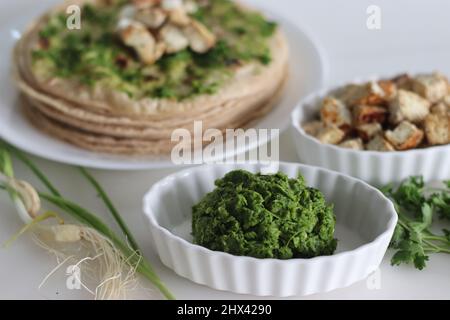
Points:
379	143
331	135
405	136
369	130
408	106
432	87
437	125
312	128
335	112
371	94
354	144
364	114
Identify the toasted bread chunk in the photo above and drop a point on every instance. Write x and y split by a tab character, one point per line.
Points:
446	99
179	17
437	127
190	6
368	131
379	143
363	114
408	106
151	17
145	3
174	38
334	112
389	87
371	94
432	87
405	136
403	82
312	128
171	4
200	38
331	135
347	93
441	109
137	36
354	144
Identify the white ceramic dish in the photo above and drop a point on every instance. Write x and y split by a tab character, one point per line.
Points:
377	168
365	223
308	72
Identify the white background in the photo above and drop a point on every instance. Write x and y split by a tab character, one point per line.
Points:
414	36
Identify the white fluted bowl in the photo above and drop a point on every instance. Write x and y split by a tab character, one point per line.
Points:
365	223
377	168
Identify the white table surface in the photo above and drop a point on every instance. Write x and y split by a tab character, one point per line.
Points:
414	36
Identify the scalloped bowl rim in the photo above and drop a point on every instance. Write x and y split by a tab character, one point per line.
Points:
150	216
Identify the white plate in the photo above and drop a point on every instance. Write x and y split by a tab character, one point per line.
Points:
307	73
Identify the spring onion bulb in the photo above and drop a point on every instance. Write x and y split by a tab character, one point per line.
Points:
109	263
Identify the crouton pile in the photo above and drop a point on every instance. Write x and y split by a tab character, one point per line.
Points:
397	114
157	27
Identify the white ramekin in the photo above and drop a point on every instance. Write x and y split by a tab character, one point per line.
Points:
365	223
377	168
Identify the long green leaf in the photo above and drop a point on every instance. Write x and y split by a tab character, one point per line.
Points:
112	209
6	166
37	172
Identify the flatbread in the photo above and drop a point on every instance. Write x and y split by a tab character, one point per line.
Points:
249	80
221	118
124	146
104	120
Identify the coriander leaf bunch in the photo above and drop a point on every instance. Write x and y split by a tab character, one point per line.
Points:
417	206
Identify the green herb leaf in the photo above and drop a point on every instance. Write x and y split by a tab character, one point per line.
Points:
441	202
412	237
399	235
427	219
410	194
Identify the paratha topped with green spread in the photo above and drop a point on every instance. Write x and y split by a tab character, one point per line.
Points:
151	61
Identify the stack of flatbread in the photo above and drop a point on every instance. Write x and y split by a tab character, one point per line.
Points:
104	120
